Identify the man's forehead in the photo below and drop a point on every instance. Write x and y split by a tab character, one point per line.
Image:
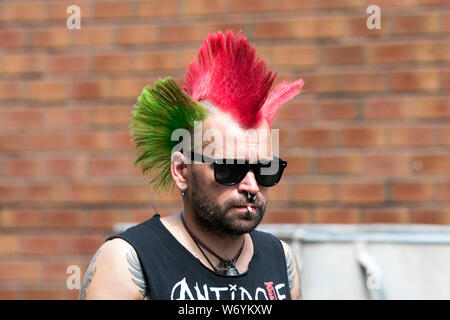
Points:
223	136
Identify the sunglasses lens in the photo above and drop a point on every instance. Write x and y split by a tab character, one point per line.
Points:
269	174
229	174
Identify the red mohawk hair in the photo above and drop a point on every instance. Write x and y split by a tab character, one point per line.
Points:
228	73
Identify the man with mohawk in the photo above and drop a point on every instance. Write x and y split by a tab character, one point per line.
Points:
210	249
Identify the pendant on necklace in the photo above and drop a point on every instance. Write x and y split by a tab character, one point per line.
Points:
232	272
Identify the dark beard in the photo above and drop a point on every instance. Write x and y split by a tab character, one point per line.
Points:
217	219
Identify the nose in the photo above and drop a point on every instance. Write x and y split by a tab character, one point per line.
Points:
249	184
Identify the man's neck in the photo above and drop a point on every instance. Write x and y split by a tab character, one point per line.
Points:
224	245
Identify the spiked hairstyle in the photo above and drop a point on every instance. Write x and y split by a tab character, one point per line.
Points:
225	72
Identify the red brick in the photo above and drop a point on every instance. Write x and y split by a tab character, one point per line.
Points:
280	192
20	218
9	294
386	165
294	56
89	141
111	62
108	167
182	33
44	193
287	216
10	142
336	216
445	135
288	5
322	83
68	117
133	35
390	53
275	30
297	165
364	82
11	38
42	244
110	115
86	193
62	219
64	167
432	163
44	141
411	191
106	219
430	216
22	117
92	36
246	6
415	24
294	112
9	244
319	27
389	108
413	136
84	244
112	9
334	4
121	140
304	28
386	216
443	191
25	12
163	60
68	64
362	137
338	110
315	137
432	51
46	91
10	90
23	64
433	108
91	89
357	27
361	192
23	168
203	7
313	192
43	294
125	88
51	37
350	164
19	270
157	8
348	54
416	80
58	10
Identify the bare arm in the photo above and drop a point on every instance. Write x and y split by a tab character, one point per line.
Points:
114	273
293	273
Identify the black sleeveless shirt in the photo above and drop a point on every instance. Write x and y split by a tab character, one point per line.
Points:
173	273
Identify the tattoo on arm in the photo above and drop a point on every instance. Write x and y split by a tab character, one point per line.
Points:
87	279
137	275
293	273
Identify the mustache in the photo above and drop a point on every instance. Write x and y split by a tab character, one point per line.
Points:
243	202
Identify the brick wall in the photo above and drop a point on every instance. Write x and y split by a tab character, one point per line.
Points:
368	141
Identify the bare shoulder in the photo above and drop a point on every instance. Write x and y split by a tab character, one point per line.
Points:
293	272
114	273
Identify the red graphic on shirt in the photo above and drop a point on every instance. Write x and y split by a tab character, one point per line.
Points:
270	290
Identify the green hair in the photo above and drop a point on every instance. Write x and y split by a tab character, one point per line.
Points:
158	112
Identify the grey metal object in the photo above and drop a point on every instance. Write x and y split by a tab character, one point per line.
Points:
371	261
367	261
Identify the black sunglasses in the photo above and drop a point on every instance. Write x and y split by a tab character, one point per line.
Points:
229	172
